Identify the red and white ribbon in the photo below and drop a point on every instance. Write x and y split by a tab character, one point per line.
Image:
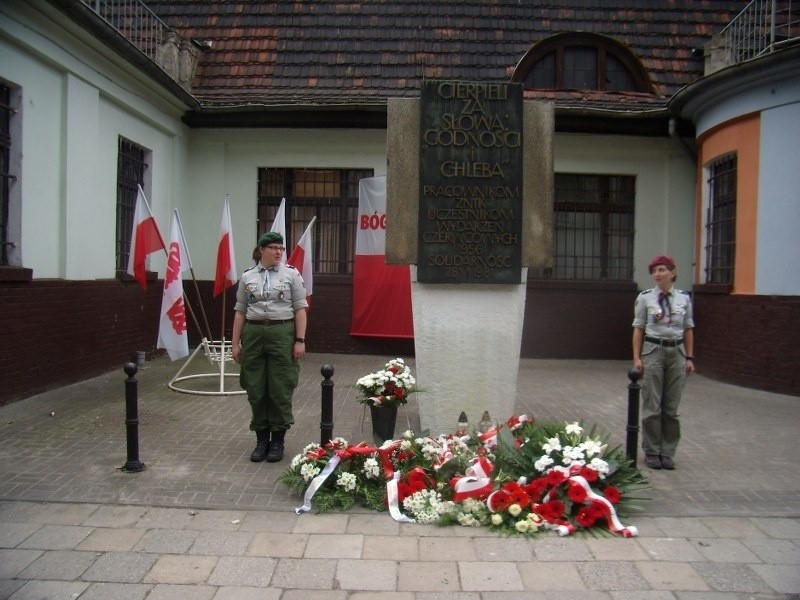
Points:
608	510
476	481
317	482
393	500
489	438
515	423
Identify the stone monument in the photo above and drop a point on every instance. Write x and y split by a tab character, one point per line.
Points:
469	205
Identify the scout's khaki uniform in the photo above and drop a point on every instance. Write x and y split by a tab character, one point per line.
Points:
663	317
269	374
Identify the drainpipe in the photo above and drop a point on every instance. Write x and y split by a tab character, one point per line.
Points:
673	133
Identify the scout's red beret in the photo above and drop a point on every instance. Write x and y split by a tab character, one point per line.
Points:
661	259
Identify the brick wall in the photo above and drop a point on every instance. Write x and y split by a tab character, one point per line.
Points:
55	332
578	320
750	341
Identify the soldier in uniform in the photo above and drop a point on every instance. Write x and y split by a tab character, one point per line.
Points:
663	350
269	329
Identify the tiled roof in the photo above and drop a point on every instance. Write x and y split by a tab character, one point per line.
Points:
327	53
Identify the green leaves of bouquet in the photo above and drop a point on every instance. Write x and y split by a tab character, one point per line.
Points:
519	478
357	480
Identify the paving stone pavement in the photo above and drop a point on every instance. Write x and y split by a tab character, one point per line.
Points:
202	521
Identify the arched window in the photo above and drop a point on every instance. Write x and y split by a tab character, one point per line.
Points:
582	61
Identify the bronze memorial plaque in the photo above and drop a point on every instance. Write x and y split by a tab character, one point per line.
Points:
470	202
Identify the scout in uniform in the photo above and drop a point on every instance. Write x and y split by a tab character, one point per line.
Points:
663	350
269	328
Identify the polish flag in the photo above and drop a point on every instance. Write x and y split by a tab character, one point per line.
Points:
145	239
226	262
381	292
279	225
302	259
172	333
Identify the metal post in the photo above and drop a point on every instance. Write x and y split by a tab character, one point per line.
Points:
133	465
326	421
632	440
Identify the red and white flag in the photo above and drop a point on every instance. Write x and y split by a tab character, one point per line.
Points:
381	292
226	262
279	225
172	334
302	259
145	239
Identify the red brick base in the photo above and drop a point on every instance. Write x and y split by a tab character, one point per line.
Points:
55	332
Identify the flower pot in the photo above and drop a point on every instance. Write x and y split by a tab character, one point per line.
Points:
383	422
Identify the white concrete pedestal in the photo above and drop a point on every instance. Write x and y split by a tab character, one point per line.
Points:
467	344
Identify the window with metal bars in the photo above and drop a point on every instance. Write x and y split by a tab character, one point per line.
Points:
131	167
6	175
721	220
592	228
329	194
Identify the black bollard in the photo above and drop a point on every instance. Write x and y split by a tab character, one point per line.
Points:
326	421
632	440
133	464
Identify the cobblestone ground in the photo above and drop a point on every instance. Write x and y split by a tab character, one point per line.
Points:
202	521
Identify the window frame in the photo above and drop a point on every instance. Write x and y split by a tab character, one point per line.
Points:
131	172
719	228
604	207
10	168
605	46
335	212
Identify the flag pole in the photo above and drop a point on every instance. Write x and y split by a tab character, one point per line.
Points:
224	292
194	279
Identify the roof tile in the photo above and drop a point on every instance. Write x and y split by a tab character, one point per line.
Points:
288	52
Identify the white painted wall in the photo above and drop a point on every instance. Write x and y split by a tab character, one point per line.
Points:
778	248
665	189
75	105
227	161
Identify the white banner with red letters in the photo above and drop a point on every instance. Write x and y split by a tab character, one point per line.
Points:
381	292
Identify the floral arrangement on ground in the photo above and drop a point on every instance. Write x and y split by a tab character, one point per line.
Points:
518	478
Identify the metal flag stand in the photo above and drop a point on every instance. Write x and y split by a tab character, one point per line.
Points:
217	353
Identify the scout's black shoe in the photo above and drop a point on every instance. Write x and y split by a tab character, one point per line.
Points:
262	444
667	463
653	461
275	453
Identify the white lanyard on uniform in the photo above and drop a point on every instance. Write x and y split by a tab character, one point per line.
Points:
265	287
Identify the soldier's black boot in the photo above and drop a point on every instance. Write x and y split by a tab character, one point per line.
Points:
262	445
275	453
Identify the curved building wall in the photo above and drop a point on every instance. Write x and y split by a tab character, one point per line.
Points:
746	332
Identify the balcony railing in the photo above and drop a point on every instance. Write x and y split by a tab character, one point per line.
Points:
135	21
762	27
